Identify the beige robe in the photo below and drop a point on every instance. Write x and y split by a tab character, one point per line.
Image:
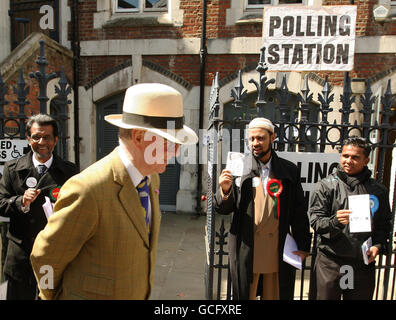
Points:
266	241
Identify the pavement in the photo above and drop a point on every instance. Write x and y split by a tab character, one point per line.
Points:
181	256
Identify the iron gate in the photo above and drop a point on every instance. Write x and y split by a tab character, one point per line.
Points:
13	124
303	134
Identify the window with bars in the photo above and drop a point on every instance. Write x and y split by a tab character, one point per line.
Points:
141	5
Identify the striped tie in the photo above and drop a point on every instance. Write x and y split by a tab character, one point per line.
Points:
143	191
41	168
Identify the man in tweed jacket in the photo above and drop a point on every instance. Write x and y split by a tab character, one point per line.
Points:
101	241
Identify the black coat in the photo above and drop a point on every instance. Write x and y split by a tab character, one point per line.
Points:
293	218
333	238
24	227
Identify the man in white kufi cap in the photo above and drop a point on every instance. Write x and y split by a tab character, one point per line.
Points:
268	203
101	240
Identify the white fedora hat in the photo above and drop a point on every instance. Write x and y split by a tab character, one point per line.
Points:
156	108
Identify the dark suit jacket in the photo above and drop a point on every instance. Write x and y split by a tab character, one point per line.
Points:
293	219
24	227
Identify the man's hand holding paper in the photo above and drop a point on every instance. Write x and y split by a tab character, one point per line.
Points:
235	163
359	220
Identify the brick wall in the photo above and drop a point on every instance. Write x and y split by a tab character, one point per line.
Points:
55	62
365	23
92	67
216	23
187	66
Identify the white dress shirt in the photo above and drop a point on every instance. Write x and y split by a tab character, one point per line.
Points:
265	169
133	172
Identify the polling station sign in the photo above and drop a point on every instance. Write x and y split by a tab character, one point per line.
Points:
309	39
313	166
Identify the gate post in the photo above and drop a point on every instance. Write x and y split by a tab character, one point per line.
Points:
42	78
21	90
212	171
3	102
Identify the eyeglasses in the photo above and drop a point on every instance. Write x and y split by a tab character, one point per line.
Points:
37	138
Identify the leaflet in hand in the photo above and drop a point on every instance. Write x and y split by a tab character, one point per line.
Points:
48	207
365	247
235	163
359	219
288	255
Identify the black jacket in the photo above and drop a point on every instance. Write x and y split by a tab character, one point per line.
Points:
333	238
24	227
293	216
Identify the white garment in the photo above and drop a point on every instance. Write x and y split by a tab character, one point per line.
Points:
265	169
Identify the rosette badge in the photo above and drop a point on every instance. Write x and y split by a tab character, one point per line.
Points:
274	189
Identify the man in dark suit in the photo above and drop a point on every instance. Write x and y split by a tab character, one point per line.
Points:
25	184
260	224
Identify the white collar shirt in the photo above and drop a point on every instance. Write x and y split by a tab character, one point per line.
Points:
265	169
134	173
48	163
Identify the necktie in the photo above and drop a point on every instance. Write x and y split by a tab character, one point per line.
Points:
143	191
41	169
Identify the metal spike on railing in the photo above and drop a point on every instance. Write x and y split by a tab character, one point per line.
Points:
214	104
283	96
305	99
367	100
387	101
347	99
237	92
63	90
3	102
325	99
3	92
42	78
21	90
262	85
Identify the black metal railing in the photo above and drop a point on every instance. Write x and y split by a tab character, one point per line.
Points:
13	124
293	134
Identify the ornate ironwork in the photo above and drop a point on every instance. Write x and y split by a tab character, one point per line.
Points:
3	102
263	83
311	132
12	125
42	78
238	93
21	90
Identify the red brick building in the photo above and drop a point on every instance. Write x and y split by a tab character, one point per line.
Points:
118	43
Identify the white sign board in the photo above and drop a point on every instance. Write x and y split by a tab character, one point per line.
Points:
11	149
309	39
313	166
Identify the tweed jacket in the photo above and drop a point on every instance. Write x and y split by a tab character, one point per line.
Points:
96	242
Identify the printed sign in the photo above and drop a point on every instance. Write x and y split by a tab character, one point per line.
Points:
307	38
313	166
11	149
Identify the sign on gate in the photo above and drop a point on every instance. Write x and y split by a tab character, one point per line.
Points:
11	149
308	38
313	166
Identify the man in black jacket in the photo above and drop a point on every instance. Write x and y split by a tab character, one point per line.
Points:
258	230
339	251
25	184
